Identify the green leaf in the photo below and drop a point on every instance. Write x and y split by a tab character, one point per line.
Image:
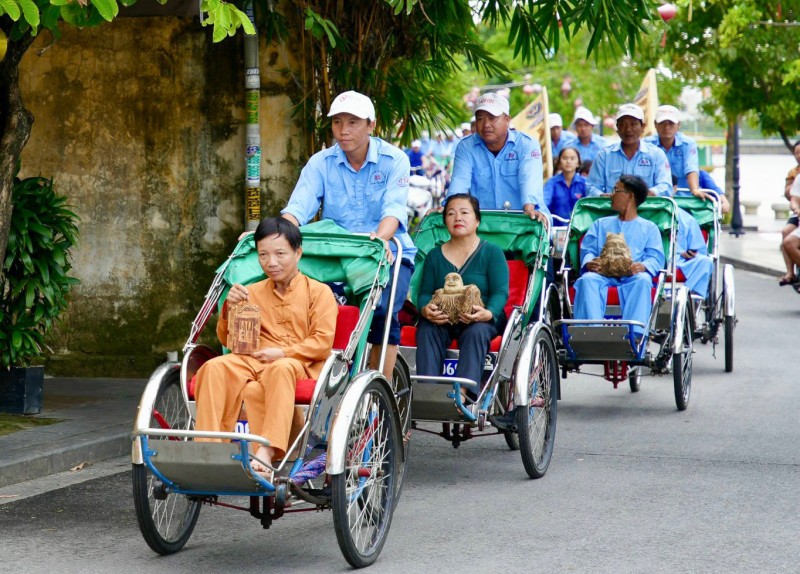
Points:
219	33
30	11
16	340
108	9
11	8
245	22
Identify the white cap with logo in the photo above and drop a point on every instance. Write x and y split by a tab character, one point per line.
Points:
353	103
668	114
631	110
493	103
584	114
555	120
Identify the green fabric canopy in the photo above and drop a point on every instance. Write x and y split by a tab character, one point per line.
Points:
330	254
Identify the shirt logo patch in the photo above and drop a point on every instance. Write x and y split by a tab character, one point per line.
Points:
377	177
644	162
512	155
693	151
402	182
536	154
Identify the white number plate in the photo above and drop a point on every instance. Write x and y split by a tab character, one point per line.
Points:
449	367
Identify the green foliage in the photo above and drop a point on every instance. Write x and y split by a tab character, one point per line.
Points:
34	283
29	15
746	51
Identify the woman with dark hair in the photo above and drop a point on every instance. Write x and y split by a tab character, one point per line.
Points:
479	263
564	189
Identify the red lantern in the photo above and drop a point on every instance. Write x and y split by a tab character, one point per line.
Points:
667	11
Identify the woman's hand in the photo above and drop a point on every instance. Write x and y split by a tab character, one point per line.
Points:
432	313
478	315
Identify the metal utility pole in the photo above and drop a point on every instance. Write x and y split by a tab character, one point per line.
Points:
736	219
252	86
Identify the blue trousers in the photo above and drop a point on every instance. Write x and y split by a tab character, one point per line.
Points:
698	273
591	290
473	344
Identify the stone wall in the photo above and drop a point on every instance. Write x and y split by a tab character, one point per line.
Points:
141	124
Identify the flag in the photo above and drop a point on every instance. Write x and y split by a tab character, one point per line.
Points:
647	99
533	121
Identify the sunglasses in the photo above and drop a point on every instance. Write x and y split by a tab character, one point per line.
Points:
620	189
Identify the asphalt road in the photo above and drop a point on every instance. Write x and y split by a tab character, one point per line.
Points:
634	486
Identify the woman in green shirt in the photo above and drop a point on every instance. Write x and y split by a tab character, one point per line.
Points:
479	263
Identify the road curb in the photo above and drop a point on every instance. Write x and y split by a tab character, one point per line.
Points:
747	266
36	464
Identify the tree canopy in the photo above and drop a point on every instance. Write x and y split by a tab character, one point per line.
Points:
746	52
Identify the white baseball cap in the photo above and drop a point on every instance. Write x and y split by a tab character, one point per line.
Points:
493	103
584	114
631	110
465	126
555	120
416	143
668	114
353	103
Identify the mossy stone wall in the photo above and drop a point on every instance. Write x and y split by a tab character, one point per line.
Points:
141	124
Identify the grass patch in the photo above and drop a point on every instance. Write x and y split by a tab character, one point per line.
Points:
13	423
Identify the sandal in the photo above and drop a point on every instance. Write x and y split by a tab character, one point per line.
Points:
263	471
784	281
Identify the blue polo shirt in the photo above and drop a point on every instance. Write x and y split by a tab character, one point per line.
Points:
590	151
682	156
356	200
513	175
649	163
559	198
567	139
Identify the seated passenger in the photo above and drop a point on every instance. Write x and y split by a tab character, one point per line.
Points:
479	263
643	239
298	320
692	252
564	189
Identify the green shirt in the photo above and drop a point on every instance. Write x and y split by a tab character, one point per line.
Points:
487	270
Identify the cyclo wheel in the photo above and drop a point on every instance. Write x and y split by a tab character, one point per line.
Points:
363	495
165	520
536	424
506	397
401	384
728	328
635	378
682	366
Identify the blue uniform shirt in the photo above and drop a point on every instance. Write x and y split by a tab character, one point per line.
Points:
642	237
649	163
513	175
415	157
682	156
567	139
559	198
590	151
356	200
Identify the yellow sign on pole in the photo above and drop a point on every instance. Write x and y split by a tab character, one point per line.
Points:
533	120
647	99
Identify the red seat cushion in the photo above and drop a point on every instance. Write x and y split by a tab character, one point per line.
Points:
408	338
517	285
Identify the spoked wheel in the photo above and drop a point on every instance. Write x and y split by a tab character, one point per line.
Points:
401	385
635	378
682	366
166	520
728	328
506	398
536	422
363	495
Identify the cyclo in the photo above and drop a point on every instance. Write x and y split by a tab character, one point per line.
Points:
718	309
518	397
610	341
352	438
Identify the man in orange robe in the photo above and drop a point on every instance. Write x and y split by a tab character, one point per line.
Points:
298	320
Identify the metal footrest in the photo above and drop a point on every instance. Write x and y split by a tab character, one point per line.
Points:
600	342
429	402
202	466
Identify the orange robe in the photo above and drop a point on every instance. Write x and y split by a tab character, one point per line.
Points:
301	322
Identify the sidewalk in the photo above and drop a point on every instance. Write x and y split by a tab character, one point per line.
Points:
98	413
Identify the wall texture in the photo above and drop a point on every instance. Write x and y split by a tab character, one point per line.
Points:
141	123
